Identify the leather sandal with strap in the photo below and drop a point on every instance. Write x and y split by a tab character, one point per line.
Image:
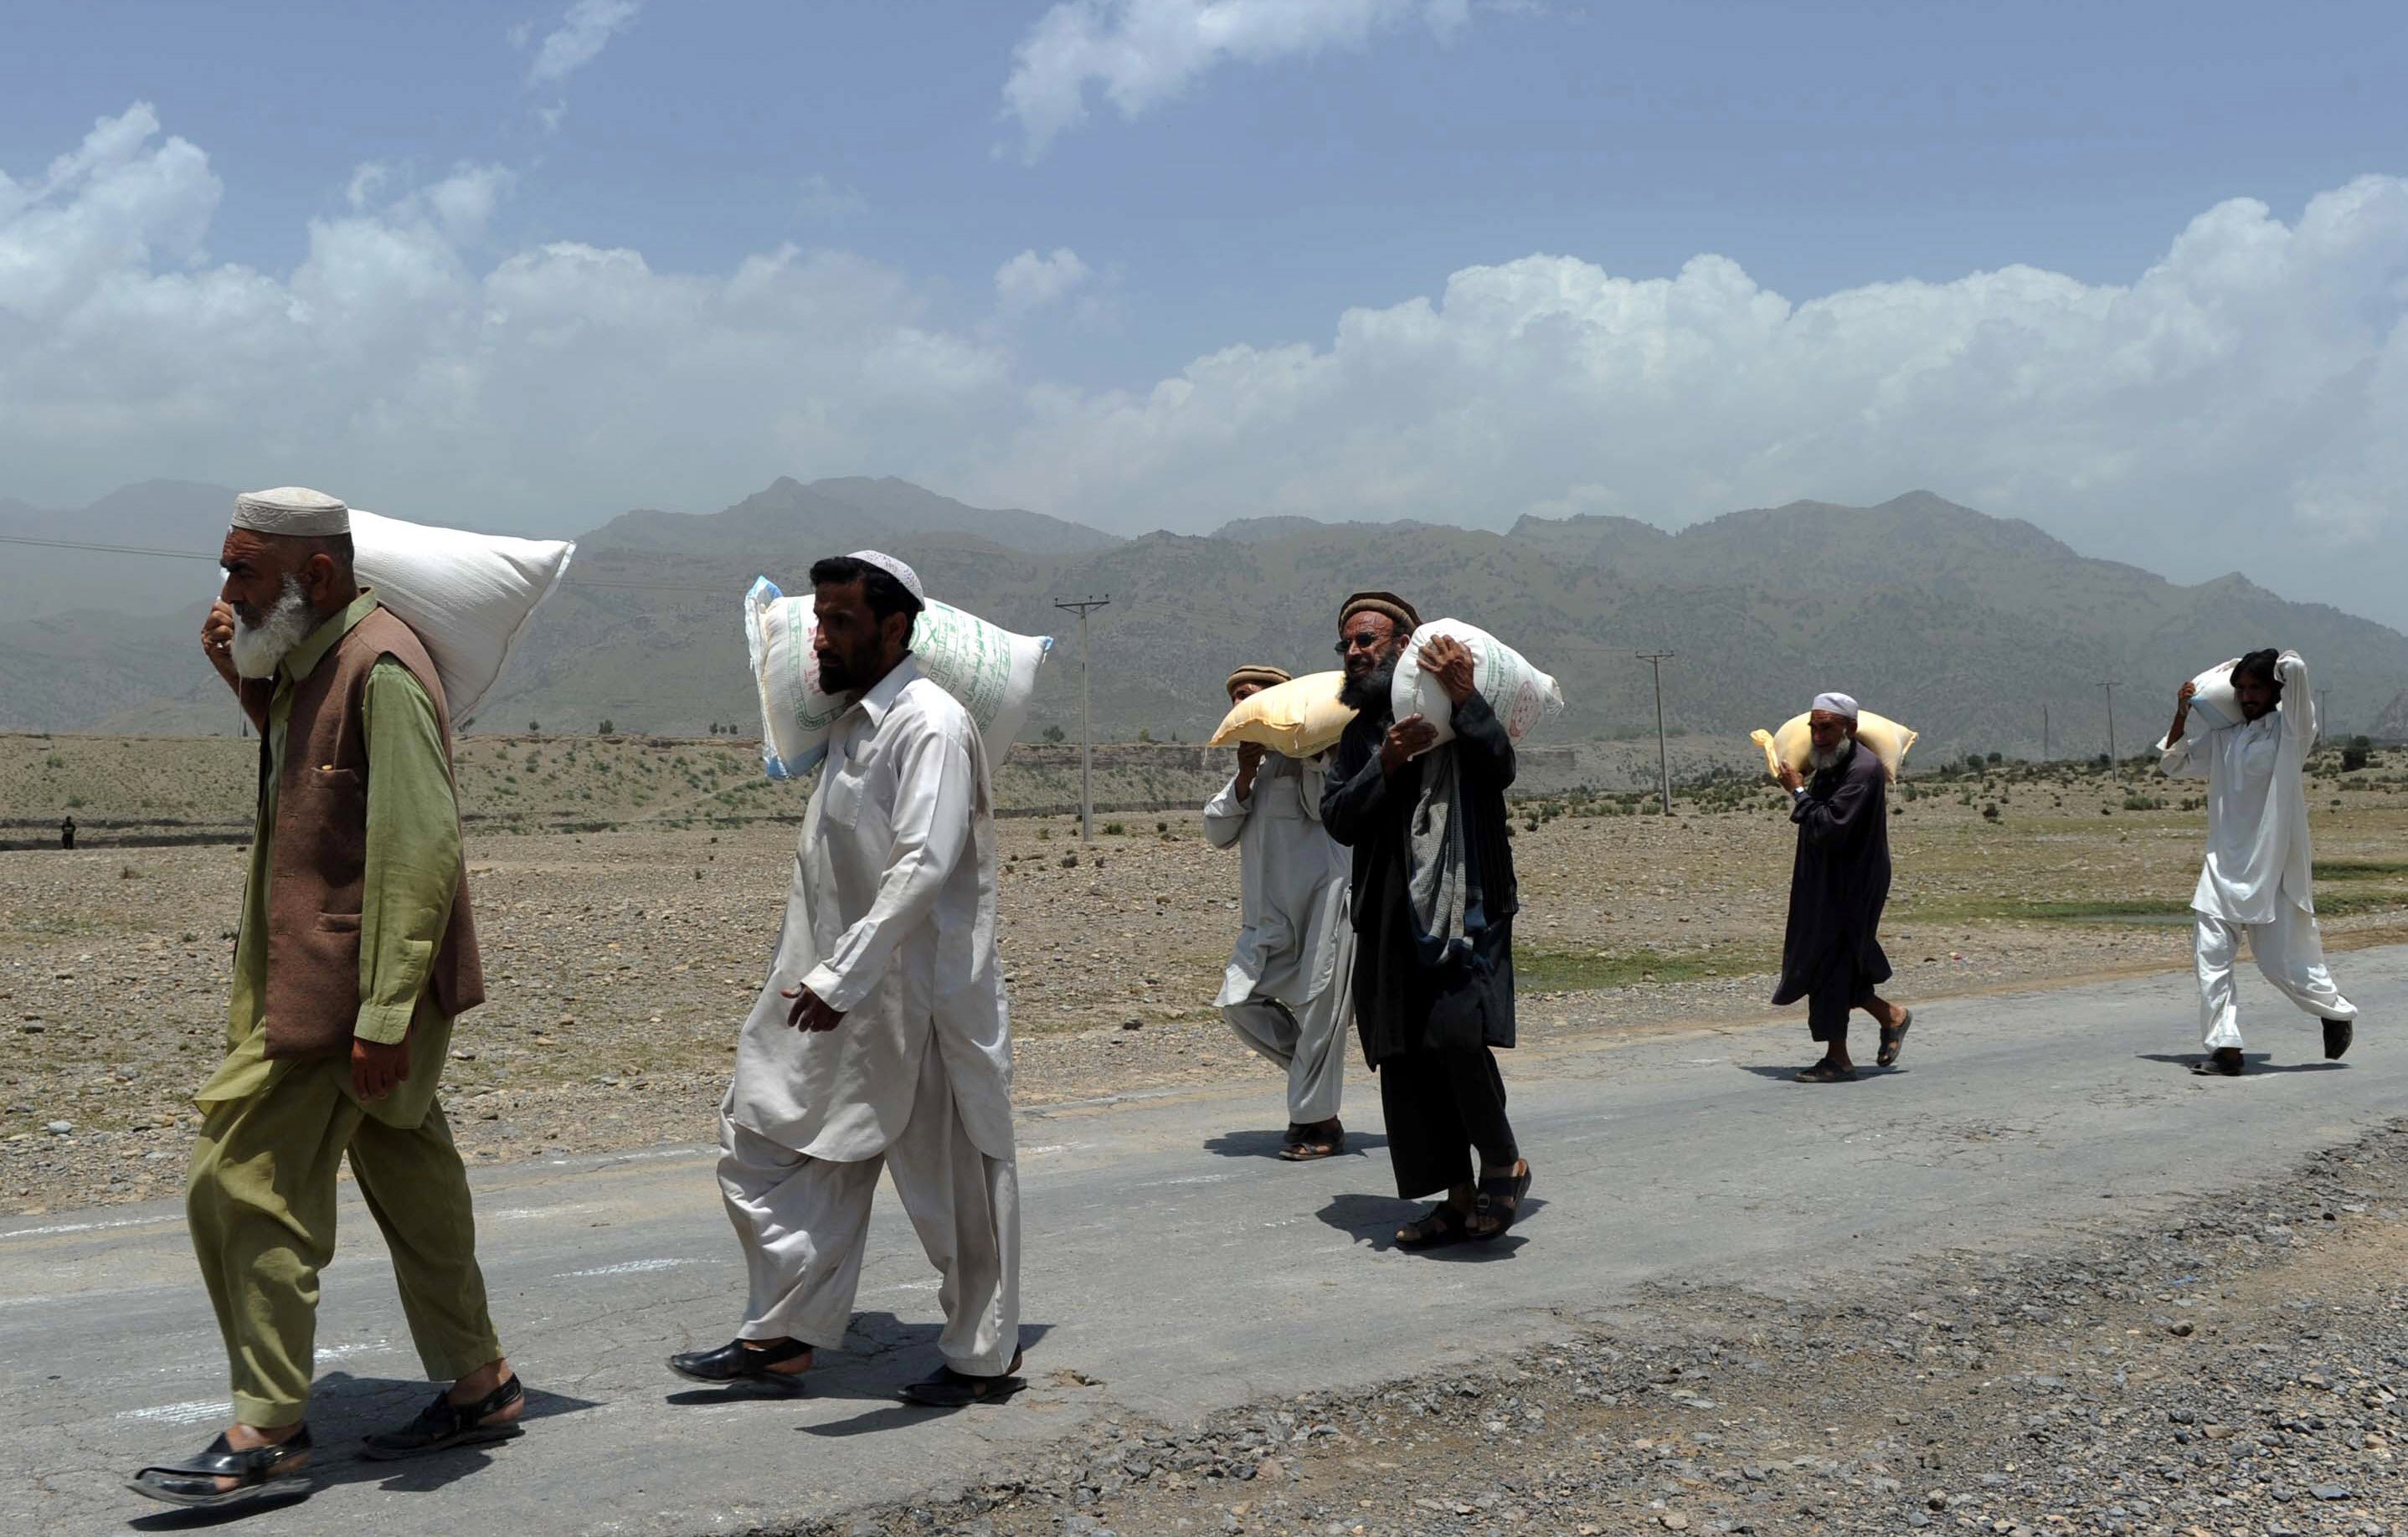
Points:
946	1389
1498	1204
1442	1225
1321	1139
443	1425
280	1471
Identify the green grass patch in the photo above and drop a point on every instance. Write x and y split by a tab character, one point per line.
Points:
2141	910
1537	970
2361	870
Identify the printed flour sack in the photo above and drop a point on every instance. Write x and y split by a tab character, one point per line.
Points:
2215	704
467	596
1299	719
992	671
1888	741
1520	693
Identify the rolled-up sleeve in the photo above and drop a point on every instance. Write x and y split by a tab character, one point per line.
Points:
413	852
2180	759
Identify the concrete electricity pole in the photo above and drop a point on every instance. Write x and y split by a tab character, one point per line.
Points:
1663	757
2114	766
2044	733
1082	607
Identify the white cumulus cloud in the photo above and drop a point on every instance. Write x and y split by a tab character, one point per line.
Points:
1030	282
1142	52
2239	404
582	33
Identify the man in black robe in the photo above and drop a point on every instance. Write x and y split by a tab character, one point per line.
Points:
1433	907
1831	956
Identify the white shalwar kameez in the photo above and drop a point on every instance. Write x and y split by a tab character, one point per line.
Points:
1287	987
891	921
2259	875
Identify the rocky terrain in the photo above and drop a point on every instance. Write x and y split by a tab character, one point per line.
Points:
2238	1368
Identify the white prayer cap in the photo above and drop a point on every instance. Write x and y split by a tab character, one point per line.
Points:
293	511
1836	704
896	568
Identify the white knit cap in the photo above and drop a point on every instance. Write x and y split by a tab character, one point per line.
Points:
1836	704
896	568
293	511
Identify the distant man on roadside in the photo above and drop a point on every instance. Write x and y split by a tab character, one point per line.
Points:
356	952
2260	873
1831	953
1433	899
882	1038
1286	989
67	834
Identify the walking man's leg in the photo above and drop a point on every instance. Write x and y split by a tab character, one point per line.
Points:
2213	945
2290	953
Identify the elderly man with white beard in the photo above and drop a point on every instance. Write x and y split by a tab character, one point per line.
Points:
356	951
1831	953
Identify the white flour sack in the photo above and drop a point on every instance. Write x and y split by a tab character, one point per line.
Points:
991	670
2215	704
1520	693
467	596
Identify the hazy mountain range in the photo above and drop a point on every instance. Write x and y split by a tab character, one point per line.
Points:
1965	625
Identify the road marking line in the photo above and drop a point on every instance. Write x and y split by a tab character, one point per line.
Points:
88	1227
520	1214
631	1267
189	1412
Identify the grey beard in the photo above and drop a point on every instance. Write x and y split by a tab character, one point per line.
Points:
1371	693
1821	760
256	651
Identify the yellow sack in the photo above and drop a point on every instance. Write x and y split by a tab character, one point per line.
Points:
1888	741
1299	719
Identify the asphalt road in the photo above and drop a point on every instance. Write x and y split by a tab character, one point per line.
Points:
1171	1265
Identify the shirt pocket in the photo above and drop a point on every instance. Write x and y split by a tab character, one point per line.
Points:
841	788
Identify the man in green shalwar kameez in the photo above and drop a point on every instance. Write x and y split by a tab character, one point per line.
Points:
357	950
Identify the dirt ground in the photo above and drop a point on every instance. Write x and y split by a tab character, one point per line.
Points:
620	964
2238	1369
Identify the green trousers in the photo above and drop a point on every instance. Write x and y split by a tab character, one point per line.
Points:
260	1206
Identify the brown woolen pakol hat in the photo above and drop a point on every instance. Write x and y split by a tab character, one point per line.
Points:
1401	612
1256	673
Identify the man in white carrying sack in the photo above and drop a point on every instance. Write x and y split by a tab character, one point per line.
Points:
2258	873
1287	987
881	1038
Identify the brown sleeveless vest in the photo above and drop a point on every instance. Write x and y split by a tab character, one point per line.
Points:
319	856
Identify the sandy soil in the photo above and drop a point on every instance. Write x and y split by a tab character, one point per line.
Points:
621	963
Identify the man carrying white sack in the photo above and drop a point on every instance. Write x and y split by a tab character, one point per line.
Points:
356	952
1286	989
2259	874
881	1038
1830	952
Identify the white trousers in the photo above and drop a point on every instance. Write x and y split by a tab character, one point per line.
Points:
803	1222
1310	1048
2290	953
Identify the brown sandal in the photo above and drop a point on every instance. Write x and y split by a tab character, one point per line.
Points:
1321	1139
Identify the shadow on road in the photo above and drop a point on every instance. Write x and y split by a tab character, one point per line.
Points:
342	1409
2251	1062
1373	1221
881	1354
1787	1073
1266	1144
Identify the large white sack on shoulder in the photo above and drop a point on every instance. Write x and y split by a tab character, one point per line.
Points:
1301	718
467	596
990	669
2216	703
1520	693
1888	741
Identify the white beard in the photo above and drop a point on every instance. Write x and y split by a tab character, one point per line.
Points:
1821	760
257	650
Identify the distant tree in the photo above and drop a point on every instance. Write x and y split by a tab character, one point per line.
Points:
1144	735
1996	758
534	727
607	728
1053	733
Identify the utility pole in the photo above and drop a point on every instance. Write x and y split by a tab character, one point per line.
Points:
2114	767
1657	659
1082	607
2044	733
2322	718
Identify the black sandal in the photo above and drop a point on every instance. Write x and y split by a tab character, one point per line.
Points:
261	1473
1500	1201
2223	1062
2338	1033
1437	1227
737	1362
1322	1140
443	1425
1824	1072
1892	1039
946	1389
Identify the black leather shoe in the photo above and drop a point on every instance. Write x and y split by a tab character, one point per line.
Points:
2339	1033
946	1389
443	1425
259	1473
736	1363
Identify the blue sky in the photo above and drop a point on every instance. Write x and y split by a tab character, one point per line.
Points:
1277	252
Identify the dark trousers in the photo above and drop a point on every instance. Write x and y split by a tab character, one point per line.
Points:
1827	1006
1441	1105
